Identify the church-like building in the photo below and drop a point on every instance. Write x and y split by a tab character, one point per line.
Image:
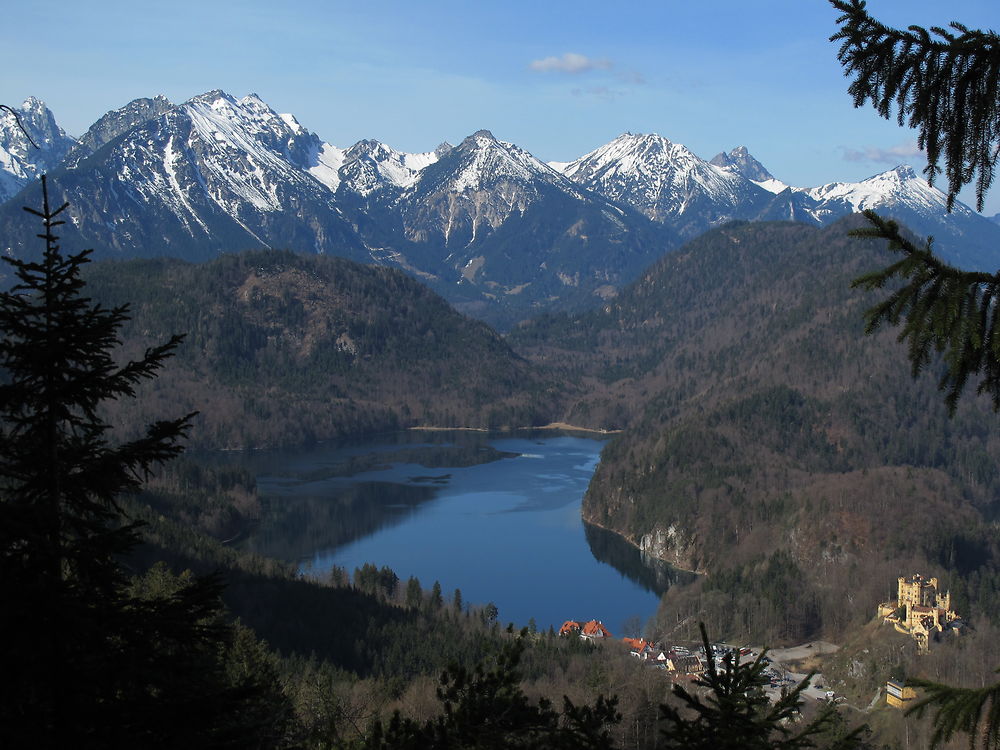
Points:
919	610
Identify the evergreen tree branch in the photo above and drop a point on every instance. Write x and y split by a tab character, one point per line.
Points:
93	665
942	82
943	310
971	711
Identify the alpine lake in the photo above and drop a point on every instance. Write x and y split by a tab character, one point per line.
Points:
495	516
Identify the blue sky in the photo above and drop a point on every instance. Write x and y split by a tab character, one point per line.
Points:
557	78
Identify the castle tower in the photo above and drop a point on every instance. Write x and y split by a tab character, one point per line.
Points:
917	591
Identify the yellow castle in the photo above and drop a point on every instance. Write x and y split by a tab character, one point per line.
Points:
919	609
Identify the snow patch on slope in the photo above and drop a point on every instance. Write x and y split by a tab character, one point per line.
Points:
170	158
326	161
772	185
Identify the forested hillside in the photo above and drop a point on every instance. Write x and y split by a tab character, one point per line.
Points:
283	349
770	443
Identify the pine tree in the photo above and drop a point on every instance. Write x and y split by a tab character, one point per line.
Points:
414	594
436	600
736	714
87	662
946	85
487	709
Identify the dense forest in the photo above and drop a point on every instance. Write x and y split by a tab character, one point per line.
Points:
285	349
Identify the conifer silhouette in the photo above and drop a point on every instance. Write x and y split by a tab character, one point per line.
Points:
87	662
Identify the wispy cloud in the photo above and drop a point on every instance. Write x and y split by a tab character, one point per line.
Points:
601	92
570	62
892	155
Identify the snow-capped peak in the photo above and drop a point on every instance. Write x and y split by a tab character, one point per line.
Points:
633	154
740	161
662	179
253	100
246	149
32	104
482	159
248	123
23	157
898	185
370	165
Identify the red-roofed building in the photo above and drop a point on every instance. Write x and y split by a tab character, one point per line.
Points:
594	629
569	627
642	649
636	644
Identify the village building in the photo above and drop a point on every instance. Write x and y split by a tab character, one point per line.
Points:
897	694
684	663
570	627
638	647
594	630
919	610
589	631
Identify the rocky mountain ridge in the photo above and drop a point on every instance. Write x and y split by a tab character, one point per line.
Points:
491	227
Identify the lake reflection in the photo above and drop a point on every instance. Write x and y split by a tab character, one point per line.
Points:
498	518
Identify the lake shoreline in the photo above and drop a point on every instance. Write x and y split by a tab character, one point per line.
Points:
550	426
507	532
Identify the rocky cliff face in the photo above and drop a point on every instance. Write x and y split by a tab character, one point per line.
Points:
115	124
670	546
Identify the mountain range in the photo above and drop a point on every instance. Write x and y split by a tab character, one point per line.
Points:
496	231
